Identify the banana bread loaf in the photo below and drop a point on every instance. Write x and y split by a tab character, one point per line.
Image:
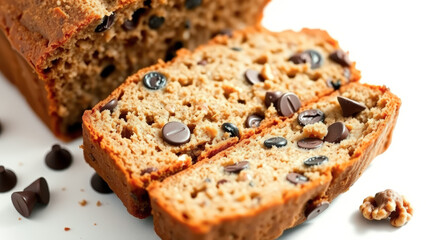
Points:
170	115
282	176
66	55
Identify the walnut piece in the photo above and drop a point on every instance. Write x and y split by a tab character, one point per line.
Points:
387	205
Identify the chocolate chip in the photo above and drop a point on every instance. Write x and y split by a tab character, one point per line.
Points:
237	167
231	128
24	202
310	143
110	105
221	181
58	158
314	210
147	3
99	185
148	170
107	71
132	23
349	106
288	104
202	62
336	132
106	23
310	116
272	97
7	179
275	141
191	4
341	58
309	56
176	133
155	22
335	85
237	49
253	76
154	80
187	24
253	121
296	178
41	190
315	161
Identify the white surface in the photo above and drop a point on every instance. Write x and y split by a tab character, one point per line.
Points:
386	38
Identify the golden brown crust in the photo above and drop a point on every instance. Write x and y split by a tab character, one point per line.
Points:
333	181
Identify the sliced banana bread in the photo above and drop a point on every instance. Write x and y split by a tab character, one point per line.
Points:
168	116
282	176
67	55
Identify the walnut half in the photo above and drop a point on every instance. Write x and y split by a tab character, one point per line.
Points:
387	204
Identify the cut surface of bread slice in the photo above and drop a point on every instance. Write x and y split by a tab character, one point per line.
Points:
170	115
67	55
255	189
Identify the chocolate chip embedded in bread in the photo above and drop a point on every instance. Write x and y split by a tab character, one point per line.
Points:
335	85
253	76
237	167
253	121
310	143
288	104
300	58
310	116
237	49
232	129
176	133
106	23
275	142
202	62
296	178
314	210
148	170
336	132
99	185
315	161
110	105
155	22
191	4
7	179
341	58
58	158
154	80
132	23
107	71
349	106
271	97
309	56
221	181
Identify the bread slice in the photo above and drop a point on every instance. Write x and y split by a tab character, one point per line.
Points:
67	55
213	92
251	191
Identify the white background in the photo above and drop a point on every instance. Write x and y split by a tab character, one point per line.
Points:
385	38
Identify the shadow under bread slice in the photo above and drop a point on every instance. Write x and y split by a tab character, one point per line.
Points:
282	176
168	116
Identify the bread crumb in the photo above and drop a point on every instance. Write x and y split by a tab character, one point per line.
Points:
67	229
98	203
83	202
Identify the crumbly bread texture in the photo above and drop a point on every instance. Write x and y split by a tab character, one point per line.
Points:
122	135
67	55
207	201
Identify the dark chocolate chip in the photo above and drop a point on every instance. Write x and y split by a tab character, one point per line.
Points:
336	132
107	71
296	178
132	23
275	141
187	24
24	202
202	62
237	49
99	185
349	106
155	22
106	23
300	58
126	132
41	190
237	167
221	181
110	105
341	58
58	158
148	170
147	3
315	161
7	179
288	104
253	121
154	80
253	76
310	116
315	58
335	85
310	143
232	129
176	133
272	97
191	4
314	210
